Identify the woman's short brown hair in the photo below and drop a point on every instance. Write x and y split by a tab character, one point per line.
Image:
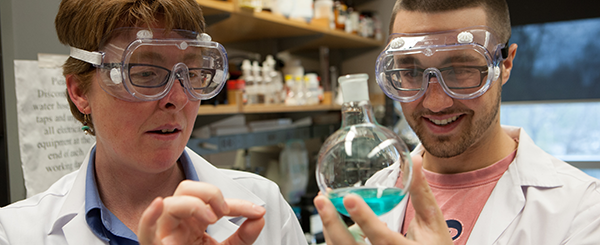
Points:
84	23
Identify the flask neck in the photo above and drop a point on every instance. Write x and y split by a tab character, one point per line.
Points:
357	112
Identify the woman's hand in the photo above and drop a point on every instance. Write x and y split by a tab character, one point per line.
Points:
184	217
428	226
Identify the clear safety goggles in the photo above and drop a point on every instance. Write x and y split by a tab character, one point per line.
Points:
136	64
464	62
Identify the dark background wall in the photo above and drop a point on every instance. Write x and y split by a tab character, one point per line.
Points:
557	58
538	11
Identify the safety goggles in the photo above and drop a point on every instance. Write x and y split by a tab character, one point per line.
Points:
464	62
136	64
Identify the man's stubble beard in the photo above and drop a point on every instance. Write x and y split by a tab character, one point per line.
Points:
444	146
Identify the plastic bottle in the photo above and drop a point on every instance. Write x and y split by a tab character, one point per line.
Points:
290	98
312	89
293	170
277	87
259	86
267	83
293	67
324	13
359	150
250	89
340	14
302	10
299	90
353	17
256	5
282	7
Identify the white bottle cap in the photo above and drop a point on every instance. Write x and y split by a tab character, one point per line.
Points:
246	65
355	87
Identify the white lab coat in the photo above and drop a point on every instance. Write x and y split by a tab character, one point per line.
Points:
57	216
538	200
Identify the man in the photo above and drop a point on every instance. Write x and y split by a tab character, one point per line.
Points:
446	61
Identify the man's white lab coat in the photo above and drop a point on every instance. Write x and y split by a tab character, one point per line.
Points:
57	216
538	200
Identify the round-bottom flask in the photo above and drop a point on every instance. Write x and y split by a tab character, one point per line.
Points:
363	157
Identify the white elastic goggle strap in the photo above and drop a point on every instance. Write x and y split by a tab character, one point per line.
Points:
94	58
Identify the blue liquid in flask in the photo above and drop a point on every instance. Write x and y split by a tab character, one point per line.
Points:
380	204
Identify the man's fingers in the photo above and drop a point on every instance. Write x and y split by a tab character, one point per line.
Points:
372	227
244	208
422	198
247	233
334	229
427	212
147	225
208	193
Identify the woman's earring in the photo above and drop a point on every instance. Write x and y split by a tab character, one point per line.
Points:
86	129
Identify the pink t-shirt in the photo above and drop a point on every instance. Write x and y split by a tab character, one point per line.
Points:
461	196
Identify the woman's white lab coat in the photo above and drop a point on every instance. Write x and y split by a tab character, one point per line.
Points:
57	216
538	200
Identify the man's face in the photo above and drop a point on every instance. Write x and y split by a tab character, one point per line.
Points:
448	127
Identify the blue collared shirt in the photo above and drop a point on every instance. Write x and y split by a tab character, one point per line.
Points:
101	220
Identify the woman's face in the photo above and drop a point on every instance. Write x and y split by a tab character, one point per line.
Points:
141	136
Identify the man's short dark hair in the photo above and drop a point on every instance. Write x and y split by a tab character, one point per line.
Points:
498	17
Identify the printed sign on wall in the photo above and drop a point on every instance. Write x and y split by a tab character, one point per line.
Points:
51	141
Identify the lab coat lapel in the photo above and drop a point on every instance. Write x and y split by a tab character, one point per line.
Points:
503	205
508	197
208	173
71	217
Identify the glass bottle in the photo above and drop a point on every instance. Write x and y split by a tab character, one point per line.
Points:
354	159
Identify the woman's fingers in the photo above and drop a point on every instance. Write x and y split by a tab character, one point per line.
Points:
247	233
208	193
244	208
184	217
184	207
147	226
251	228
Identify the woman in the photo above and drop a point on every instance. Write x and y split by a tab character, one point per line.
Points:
137	72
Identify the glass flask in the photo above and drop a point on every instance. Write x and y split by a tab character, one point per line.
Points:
363	157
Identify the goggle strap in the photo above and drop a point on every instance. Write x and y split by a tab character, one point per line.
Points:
504	51
496	73
94	58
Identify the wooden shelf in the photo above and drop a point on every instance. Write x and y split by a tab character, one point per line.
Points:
328	105
248	109
218	110
242	25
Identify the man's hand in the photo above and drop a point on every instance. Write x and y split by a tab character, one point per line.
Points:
184	217
428	226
